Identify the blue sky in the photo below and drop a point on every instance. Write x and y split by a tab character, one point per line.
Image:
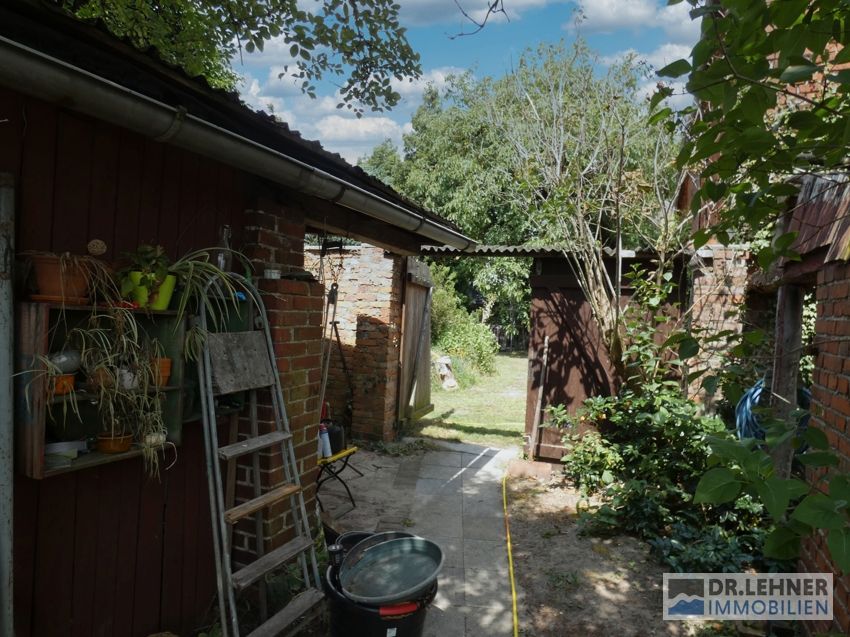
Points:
658	33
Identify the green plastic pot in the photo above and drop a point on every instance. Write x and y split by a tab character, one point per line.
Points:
160	299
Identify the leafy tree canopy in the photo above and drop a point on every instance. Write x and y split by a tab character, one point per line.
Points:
360	42
554	153
774	98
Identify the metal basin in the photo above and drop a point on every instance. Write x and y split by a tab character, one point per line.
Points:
393	571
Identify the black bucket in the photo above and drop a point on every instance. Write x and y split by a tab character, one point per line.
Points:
349	618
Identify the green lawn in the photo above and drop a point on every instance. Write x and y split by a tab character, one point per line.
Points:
491	412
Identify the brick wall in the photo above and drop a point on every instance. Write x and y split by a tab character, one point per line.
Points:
369	311
275	237
719	285
831	411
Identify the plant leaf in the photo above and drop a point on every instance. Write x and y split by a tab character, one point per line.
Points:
782	544
717	486
819	511
675	69
839	548
818	459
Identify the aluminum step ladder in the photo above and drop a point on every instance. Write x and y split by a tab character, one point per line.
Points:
243	362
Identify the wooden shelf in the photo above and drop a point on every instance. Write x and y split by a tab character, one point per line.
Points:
83	395
43	329
91	459
90	308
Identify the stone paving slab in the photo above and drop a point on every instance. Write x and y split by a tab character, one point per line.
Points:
452	496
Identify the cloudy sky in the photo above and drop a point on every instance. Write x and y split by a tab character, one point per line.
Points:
658	33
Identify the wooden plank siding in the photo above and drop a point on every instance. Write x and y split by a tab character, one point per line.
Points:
108	551
579	366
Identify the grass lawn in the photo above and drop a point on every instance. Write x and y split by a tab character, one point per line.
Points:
491	412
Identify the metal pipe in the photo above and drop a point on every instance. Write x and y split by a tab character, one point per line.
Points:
7	413
34	73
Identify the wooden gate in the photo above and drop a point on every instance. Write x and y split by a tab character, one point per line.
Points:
414	396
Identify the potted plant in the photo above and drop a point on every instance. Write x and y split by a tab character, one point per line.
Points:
147	279
66	278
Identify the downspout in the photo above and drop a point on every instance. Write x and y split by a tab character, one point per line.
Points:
7	255
34	73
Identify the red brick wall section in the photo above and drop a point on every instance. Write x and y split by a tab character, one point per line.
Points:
719	284
831	412
275	236
369	312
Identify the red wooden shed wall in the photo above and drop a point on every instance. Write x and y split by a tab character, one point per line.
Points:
108	551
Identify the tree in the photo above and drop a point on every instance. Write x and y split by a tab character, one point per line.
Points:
593	174
454	163
552	153
361	41
773	102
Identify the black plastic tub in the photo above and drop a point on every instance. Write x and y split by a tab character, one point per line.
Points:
349	618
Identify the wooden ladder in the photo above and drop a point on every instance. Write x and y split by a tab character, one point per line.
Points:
243	362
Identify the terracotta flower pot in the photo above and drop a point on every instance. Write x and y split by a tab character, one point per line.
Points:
63	384
119	443
61	280
161	371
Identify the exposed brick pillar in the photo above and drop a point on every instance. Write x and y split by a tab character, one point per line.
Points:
830	412
719	285
369	311
275	237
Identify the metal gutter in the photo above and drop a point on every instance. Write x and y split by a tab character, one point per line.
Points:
7	259
34	73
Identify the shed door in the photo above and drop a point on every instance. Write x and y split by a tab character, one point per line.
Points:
415	357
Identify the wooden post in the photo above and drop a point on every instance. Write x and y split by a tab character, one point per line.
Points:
786	363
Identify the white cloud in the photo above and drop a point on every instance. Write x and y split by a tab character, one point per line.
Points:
337	128
657	58
678	100
606	16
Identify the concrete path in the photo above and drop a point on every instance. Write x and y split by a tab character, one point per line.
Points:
452	496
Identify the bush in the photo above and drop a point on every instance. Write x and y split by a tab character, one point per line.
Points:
457	332
652	450
646	466
591	461
471	341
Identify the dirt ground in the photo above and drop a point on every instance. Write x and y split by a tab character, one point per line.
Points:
568	584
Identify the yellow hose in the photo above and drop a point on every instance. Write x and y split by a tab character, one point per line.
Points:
510	554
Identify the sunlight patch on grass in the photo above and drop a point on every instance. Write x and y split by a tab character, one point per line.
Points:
491	412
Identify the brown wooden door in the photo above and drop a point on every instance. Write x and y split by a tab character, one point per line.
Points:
414	400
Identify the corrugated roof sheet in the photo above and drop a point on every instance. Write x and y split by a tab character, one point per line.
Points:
821	217
517	251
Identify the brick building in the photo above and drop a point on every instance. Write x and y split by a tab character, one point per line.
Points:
99	140
820	218
363	378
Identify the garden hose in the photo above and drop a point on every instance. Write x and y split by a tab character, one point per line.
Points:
510	554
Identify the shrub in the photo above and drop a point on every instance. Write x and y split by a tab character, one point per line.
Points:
457	332
652	450
591	461
471	341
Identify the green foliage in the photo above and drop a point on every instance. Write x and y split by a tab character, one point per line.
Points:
591	461
754	130
454	162
472	341
797	508
458	332
361	43
151	261
654	447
